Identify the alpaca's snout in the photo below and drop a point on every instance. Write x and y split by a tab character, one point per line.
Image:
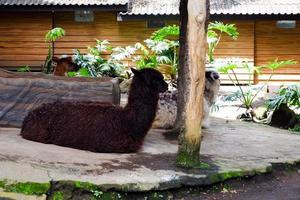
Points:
215	75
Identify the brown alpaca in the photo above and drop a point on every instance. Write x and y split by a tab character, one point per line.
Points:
64	65
99	127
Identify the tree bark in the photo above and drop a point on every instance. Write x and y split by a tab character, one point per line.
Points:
193	18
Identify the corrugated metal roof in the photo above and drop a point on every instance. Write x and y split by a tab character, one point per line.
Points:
255	7
153	7
171	7
228	7
61	2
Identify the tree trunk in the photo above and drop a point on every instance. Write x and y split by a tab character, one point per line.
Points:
193	17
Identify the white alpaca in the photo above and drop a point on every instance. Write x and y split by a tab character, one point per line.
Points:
167	109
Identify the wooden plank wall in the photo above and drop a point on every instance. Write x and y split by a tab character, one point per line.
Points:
105	27
22	38
284	44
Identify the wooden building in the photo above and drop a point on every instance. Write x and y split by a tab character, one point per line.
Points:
268	29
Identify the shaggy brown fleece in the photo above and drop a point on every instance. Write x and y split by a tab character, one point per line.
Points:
99	127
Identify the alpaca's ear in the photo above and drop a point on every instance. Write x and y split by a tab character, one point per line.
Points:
135	72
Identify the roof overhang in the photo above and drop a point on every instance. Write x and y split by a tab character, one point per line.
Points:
116	8
125	17
248	17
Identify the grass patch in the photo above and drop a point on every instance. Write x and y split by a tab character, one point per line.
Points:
2	184
57	196
225	175
85	185
295	130
184	160
28	188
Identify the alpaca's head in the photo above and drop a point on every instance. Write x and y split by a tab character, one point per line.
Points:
212	76
64	65
212	85
150	78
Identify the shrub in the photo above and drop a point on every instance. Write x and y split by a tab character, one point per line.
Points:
214	34
161	50
50	37
157	54
166	32
95	62
249	93
289	95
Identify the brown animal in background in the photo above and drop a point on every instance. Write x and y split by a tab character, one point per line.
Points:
64	65
96	126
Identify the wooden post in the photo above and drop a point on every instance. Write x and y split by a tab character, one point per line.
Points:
193	17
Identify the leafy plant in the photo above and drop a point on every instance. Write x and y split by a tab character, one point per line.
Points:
25	68
50	37
95	63
214	34
248	94
165	32
289	95
295	129
215	31
158	54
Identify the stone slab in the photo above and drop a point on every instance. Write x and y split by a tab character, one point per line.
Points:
232	149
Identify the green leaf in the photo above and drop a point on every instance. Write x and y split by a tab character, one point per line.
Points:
289	95
229	29
227	68
54	34
83	72
25	68
71	74
278	64
165	32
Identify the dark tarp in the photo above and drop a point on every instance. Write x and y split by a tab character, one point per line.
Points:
21	92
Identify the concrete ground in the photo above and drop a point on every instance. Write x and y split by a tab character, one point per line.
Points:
231	148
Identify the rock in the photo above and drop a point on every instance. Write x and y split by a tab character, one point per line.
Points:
244	117
261	112
284	117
